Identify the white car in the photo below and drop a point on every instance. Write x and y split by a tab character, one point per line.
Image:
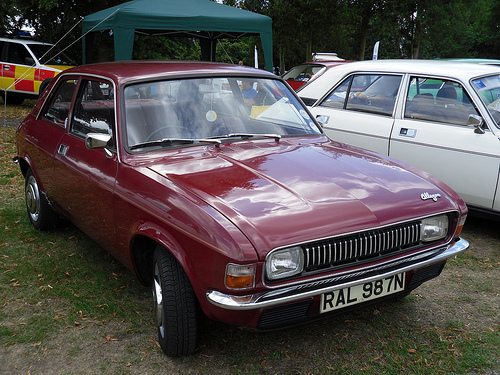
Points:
440	116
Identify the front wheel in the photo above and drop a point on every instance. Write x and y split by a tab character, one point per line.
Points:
12	98
44	85
41	215
174	304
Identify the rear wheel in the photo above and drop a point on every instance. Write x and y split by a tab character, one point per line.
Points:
174	304
40	213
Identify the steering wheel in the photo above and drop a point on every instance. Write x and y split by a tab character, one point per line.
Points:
359	98
170	127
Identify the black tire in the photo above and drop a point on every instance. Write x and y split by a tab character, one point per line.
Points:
174	305
40	213
12	98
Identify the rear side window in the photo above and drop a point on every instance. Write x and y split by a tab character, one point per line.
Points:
438	100
373	93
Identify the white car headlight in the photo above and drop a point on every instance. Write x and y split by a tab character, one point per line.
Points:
434	228
285	263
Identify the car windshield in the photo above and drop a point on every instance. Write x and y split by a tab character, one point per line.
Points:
488	88
187	111
304	72
47	54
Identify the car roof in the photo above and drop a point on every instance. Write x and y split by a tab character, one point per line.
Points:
450	69
22	41
475	60
126	71
456	69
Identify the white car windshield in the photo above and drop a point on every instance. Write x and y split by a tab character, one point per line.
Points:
48	54
175	112
488	88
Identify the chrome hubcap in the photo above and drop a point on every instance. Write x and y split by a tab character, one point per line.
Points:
32	195
158	301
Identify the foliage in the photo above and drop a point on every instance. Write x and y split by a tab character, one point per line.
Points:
406	29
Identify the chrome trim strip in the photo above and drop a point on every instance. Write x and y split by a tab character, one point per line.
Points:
367	243
273	298
489	155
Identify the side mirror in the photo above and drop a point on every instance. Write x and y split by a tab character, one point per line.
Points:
29	61
95	141
477	122
322	120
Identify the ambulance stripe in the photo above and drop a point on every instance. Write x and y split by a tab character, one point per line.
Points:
21	78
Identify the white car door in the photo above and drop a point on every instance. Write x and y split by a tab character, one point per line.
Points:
433	135
360	110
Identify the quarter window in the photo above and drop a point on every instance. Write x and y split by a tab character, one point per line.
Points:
373	93
438	100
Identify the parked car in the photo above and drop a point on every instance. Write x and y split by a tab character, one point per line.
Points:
25	64
236	207
495	62
442	117
301	74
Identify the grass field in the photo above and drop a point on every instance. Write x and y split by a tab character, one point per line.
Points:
68	307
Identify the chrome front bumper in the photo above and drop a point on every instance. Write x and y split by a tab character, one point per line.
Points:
302	291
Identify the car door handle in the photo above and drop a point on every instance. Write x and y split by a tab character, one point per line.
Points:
405	132
6	67
62	149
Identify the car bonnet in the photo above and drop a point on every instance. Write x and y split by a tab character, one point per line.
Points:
292	191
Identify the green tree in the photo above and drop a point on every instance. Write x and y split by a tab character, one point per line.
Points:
488	30
58	21
406	29
8	13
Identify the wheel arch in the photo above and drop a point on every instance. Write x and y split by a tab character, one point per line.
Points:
143	244
142	251
24	166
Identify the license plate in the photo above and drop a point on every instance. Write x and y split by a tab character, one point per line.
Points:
362	292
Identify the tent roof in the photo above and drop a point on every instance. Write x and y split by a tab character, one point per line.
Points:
196	18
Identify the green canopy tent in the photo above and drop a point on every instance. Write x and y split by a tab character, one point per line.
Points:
203	19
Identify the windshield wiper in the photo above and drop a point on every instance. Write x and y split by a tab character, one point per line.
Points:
277	137
173	141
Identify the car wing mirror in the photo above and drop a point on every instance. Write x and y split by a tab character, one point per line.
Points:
322	120
95	141
29	61
477	122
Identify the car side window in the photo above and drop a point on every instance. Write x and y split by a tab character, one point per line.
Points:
438	100
373	93
3	46
18	54
94	109
60	102
338	96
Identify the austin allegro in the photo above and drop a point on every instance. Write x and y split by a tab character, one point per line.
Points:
216	187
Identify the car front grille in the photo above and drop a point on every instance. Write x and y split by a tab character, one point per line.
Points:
341	251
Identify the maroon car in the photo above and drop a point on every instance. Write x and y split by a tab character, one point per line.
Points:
301	74
217	188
